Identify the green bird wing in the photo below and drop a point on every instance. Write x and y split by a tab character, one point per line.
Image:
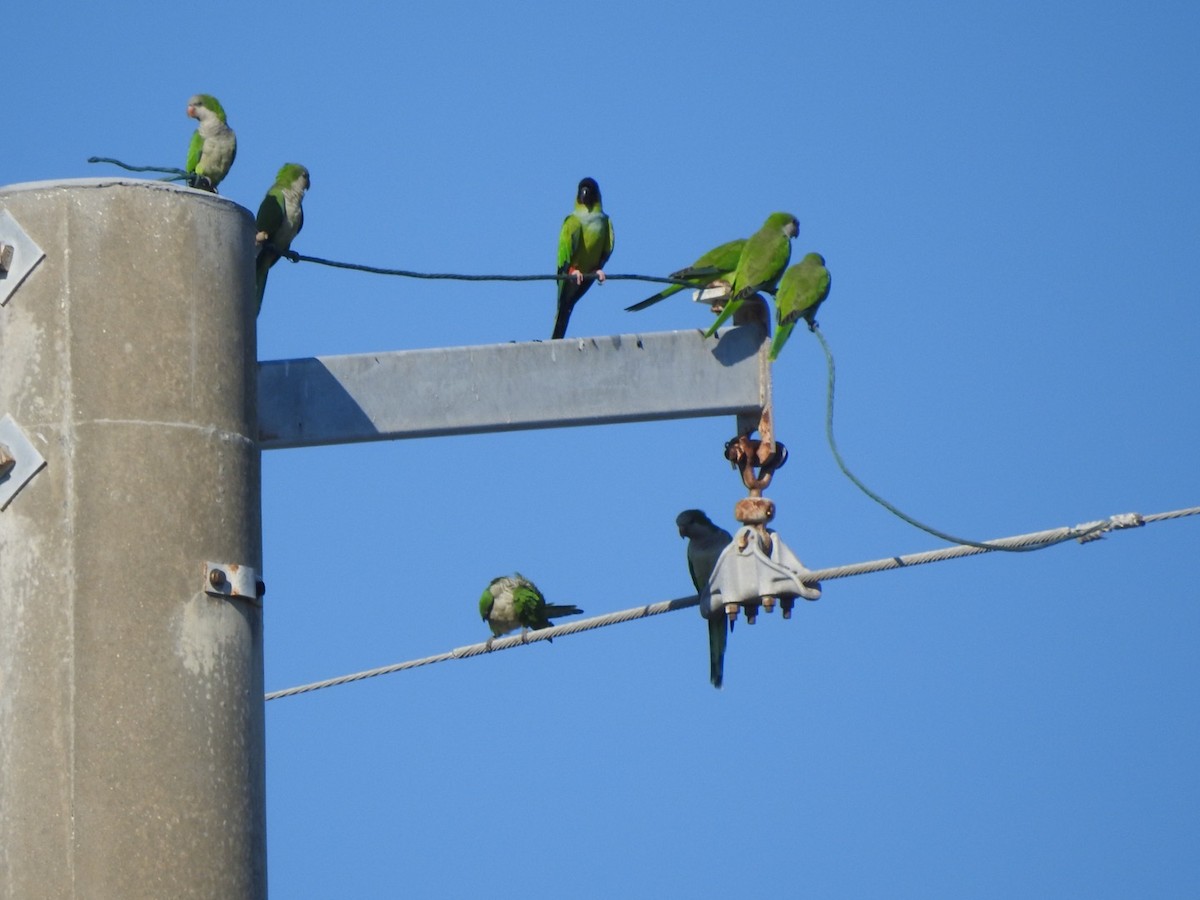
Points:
486	602
195	148
610	242
717	264
570	239
529	604
270	213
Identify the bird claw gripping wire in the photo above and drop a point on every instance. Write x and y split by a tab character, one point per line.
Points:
749	574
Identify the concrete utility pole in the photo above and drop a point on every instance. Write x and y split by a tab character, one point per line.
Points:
131	712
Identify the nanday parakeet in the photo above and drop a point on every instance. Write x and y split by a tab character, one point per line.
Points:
214	145
584	246
763	260
513	601
802	289
705	543
718	264
280	218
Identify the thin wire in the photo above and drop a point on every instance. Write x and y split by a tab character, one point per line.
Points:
450	276
176	173
1083	533
928	529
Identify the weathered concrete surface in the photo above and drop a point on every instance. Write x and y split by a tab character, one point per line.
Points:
131	712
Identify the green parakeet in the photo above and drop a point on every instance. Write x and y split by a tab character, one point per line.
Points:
802	289
705	543
584	246
280	218
763	260
718	264
512	602
214	145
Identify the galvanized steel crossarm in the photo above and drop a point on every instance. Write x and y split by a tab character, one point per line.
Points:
510	387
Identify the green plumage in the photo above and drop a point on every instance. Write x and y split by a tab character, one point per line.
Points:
706	541
718	264
802	289
762	261
584	245
213	147
512	602
280	218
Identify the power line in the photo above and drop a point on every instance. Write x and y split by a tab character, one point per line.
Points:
1084	533
892	508
452	276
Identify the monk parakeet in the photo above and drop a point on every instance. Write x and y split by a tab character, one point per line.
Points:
512	602
280	218
705	543
718	264
763	260
584	246
802	289
214	145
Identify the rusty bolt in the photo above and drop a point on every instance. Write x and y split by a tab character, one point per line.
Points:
6	256
786	604
216	578
751	613
768	604
731	610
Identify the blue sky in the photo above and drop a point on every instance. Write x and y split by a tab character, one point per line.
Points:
1009	201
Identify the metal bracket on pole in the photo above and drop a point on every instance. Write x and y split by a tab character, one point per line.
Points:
233	581
19	460
18	255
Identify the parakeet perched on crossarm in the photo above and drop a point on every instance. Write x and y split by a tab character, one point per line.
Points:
718	264
280	218
802	289
705	543
513	601
763	260
584	246
214	145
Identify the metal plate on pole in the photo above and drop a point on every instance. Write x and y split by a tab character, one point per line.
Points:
18	255
22	460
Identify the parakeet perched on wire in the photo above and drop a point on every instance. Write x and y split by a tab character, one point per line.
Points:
763	260
705	543
802	289
280	218
718	264
214	145
512	602
584	246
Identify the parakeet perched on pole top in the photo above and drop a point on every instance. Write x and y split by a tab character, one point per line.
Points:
280	218
214	145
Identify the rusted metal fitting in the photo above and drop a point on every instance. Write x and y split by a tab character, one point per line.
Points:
754	511
747	454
